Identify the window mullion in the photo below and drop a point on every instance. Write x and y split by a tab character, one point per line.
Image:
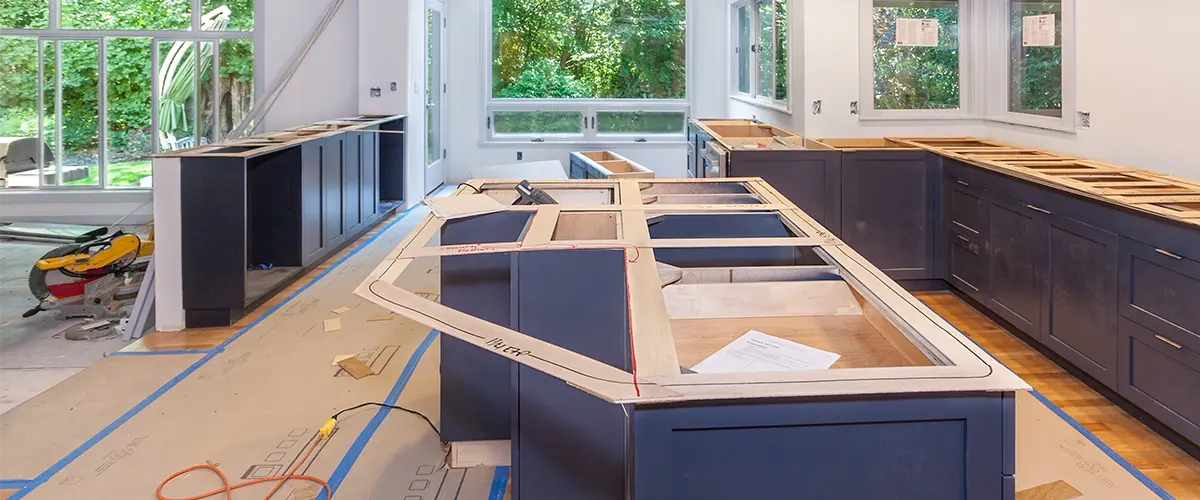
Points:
102	102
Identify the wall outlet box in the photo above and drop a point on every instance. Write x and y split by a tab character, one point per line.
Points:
520	156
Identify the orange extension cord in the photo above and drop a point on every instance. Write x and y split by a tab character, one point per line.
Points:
228	489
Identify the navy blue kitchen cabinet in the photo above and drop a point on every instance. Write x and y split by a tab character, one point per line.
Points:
888	210
1081	300
809	179
1017	235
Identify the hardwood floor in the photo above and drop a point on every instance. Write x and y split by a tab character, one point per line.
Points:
1164	463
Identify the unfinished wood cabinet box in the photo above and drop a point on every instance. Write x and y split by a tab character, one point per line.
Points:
605	165
594	316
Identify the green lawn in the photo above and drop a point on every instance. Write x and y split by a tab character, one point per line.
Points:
126	173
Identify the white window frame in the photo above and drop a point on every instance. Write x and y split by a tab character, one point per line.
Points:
753	97
588	107
968	70
54	32
998	70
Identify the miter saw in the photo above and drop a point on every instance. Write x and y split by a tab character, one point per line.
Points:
95	277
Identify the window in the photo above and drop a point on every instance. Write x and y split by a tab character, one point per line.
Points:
573	70
145	76
914	56
1035	58
760	45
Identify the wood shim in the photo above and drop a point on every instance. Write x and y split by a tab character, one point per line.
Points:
341	310
355	367
333	325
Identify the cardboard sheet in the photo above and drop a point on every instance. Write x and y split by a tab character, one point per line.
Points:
1050	450
42	430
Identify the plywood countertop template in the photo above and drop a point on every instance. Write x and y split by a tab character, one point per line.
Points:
894	344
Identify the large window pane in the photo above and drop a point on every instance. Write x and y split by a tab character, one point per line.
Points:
177	95
129	130
766	48
239	14
588	49
18	110
1035	63
79	99
24	14
126	14
744	55
237	82
913	71
205	96
537	122
640	122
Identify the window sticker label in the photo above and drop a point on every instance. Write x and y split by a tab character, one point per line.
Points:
916	32
1038	31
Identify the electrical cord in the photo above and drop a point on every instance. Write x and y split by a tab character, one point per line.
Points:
322	434
477	190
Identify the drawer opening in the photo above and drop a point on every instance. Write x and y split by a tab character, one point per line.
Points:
579	226
622	167
599	156
694	188
810	305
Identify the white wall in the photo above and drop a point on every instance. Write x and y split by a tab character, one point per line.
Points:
325	85
1138	78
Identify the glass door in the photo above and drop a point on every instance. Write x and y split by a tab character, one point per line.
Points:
435	91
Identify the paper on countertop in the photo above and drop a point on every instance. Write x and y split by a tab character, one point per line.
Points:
917	32
1038	31
455	207
758	352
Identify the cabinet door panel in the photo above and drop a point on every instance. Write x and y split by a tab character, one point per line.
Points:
1082	297
968	266
811	180
331	169
351	145
1017	244
886	211
312	198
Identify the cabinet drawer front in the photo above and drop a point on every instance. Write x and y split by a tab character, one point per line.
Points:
1161	291
966	208
968	265
1160	378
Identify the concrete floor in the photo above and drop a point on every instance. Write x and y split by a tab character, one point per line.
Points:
33	355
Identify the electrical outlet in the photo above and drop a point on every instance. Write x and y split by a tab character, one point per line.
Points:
395	86
854	107
376	91
816	107
1085	119
520	156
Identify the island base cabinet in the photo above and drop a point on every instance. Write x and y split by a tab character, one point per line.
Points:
924	448
1160	376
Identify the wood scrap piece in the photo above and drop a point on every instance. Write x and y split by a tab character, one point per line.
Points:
333	324
1057	490
355	367
341	310
454	207
381	317
338	359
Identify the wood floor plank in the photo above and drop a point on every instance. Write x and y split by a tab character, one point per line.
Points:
1164	463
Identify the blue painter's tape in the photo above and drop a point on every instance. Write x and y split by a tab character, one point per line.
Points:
499	484
12	484
356	448
158	353
87	445
1137	474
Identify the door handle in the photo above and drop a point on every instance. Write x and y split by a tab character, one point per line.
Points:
1042	210
962	182
1169	342
1169	254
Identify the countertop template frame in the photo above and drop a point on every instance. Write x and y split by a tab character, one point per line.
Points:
961	367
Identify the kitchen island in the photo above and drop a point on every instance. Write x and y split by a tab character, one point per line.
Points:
610	299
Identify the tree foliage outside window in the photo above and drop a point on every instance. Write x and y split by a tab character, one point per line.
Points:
762	44
1035	72
588	49
129	78
915	77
